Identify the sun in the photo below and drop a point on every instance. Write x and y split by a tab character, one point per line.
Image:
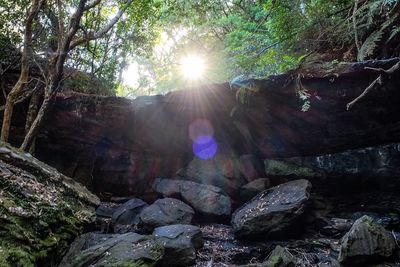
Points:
192	67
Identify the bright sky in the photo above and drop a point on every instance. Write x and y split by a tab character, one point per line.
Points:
192	66
130	76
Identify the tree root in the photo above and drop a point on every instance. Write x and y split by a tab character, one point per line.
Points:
384	75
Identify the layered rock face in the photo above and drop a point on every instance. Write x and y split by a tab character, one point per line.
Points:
120	146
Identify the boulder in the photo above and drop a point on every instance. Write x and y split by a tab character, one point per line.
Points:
129	249
366	242
273	211
180	243
223	171
250	190
127	215
210	202
41	210
389	220
165	211
173	245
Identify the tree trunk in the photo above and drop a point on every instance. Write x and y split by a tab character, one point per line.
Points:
32	113
9	106
66	43
23	78
34	129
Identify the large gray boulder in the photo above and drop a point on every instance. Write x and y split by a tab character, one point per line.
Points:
223	171
366	242
180	243
129	249
166	211
210	202
172	245
273	211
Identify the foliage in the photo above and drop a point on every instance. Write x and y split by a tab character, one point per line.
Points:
378	24
82	82
237	37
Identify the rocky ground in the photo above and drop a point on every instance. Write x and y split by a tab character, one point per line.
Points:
294	216
285	225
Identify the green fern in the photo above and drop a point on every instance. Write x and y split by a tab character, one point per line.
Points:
366	21
393	34
370	44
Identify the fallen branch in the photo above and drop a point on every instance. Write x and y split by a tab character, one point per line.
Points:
377	83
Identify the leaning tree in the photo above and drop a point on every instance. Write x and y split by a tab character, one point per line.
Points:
67	31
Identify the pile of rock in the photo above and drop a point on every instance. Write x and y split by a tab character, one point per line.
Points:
163	234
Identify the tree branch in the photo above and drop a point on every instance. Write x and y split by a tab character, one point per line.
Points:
377	83
93	36
92	5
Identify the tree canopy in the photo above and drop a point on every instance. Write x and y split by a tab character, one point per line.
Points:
233	37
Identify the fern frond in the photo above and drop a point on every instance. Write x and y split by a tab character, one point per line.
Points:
393	34
370	44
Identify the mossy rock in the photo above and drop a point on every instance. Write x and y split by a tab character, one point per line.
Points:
41	210
366	242
129	249
284	168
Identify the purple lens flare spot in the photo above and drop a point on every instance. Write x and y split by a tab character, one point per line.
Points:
205	147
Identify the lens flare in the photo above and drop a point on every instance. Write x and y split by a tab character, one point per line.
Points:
201	133
192	67
205	147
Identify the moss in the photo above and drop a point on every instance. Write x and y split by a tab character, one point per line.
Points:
15	255
279	257
279	167
33	239
41	211
274	261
